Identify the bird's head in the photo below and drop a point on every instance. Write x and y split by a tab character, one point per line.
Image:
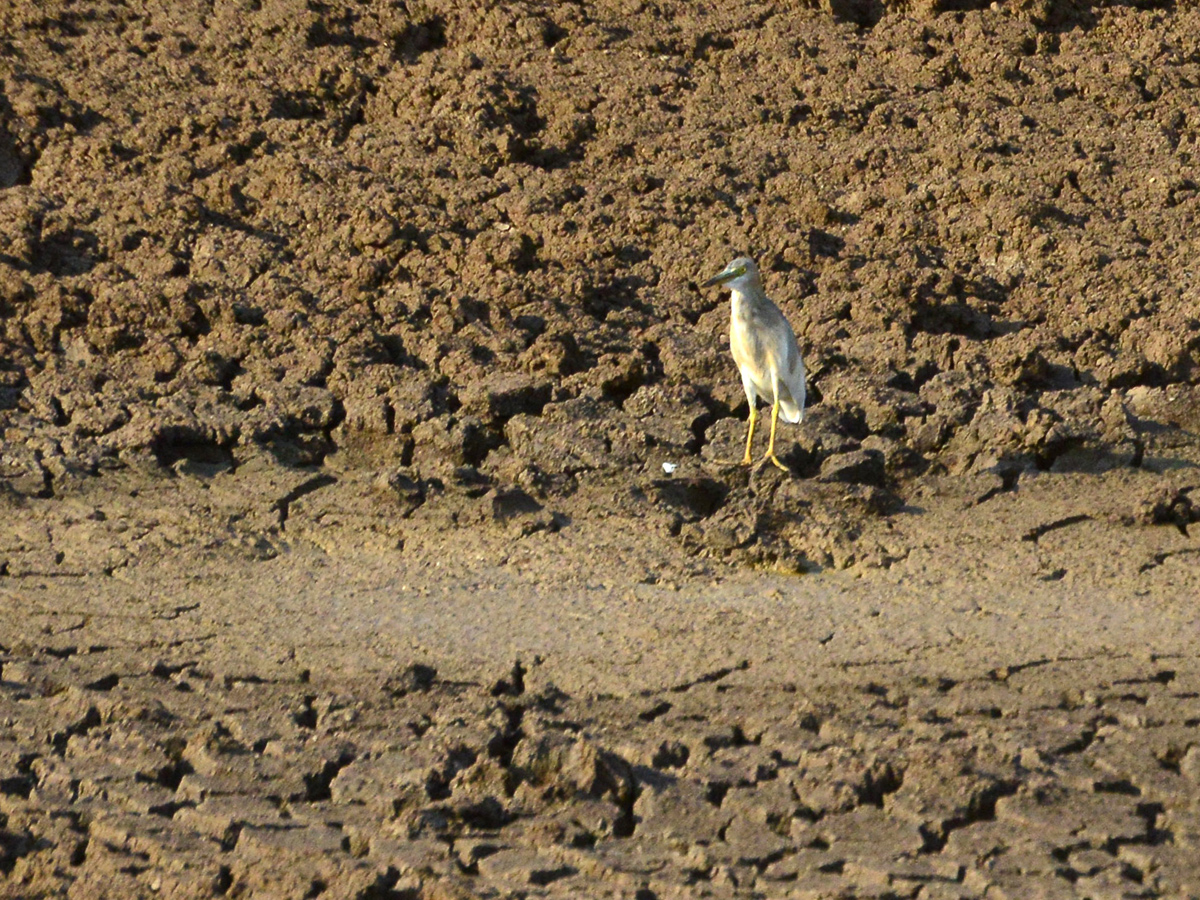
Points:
739	275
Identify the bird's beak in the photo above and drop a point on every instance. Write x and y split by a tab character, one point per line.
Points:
726	275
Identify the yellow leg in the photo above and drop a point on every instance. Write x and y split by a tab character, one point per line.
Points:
771	446
746	460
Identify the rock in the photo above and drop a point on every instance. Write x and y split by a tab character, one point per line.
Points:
71	713
283	838
1189	766
568	765
1003	435
899	460
448	441
693	498
724	441
523	867
856	467
679	811
884	409
689	356
576	436
753	842
502	395
826	430
669	415
510	503
726	530
412	679
670	755
310	408
413	856
405	486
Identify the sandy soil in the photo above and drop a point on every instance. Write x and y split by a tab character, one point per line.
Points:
341	349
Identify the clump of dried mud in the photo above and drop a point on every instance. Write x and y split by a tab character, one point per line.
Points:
462	242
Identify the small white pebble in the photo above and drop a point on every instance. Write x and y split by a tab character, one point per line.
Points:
670	467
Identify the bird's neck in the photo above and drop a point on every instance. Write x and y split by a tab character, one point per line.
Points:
743	300
737	301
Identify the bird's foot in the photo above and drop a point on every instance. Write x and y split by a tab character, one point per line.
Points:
775	459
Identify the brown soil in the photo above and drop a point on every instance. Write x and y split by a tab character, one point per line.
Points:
341	349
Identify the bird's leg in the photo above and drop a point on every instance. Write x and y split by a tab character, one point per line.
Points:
746	460
771	446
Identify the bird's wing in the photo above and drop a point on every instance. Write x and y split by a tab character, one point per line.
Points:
792	378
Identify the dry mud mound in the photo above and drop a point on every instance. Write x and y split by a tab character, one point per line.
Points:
271	784
418	281
460	243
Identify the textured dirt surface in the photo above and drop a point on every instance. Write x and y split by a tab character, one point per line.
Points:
342	346
177	781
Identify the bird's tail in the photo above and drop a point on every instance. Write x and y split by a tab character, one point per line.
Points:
790	411
791	398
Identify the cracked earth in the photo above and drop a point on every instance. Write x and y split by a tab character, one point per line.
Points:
1074	776
363	526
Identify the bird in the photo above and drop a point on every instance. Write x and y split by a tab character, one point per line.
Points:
765	350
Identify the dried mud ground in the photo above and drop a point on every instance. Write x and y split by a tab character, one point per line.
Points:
342	346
